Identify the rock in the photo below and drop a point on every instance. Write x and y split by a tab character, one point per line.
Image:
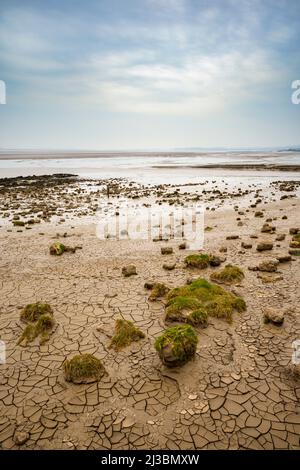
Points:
294	251
284	258
177	345
280	237
223	249
273	315
267	228
263	246
294	231
268	266
182	246
169	266
258	214
166	250
253	236
215	260
193	397
128	422
269	277
232	237
149	285
129	270
245	245
21	437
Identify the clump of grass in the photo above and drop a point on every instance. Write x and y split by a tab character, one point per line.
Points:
158	290
198	317
83	368
57	249
215	300
126	333
177	345
197	260
42	327
40	322
228	275
32	312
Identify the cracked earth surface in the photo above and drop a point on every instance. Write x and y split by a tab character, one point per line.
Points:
241	391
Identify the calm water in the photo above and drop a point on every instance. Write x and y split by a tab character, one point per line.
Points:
152	168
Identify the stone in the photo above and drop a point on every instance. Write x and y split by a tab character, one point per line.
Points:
268	266
294	231
182	246
267	228
294	251
280	237
232	237
245	245
273	315
166	250
129	270
264	246
193	397
21	437
128	422
169	266
284	258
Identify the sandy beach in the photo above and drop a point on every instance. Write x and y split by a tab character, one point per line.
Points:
241	390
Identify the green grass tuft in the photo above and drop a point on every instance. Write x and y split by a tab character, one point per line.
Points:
177	345
228	275
126	333
202	294
83	368
200	261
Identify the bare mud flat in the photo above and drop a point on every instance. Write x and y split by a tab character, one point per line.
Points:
241	390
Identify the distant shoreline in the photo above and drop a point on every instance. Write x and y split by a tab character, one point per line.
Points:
53	155
230	166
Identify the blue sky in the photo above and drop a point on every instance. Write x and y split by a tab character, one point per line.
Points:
126	74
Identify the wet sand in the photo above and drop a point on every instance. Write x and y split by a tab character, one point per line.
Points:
240	392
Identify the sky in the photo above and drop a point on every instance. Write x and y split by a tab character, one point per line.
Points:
149	74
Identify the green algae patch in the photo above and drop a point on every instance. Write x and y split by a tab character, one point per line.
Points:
158	290
57	249
200	261
40	323
83	368
32	312
177	345
204	296
126	333
228	275
42	328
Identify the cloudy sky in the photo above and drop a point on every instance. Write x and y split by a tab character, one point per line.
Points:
129	74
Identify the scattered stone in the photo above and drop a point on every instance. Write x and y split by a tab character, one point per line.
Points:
294	231
268	266
223	249
20	437
182	246
267	228
280	237
273	315
284	258
169	266
264	246
245	245
166	250
129	270
232	237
